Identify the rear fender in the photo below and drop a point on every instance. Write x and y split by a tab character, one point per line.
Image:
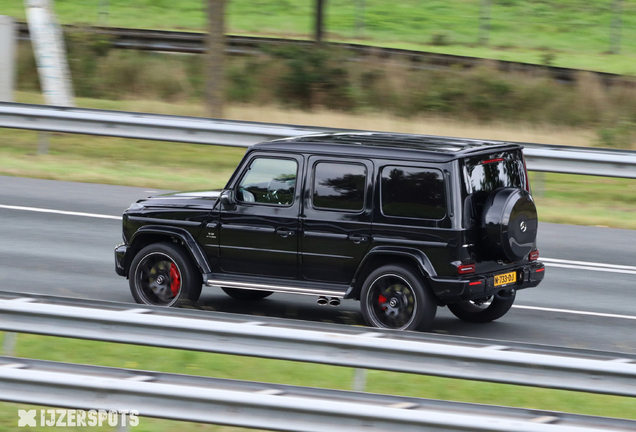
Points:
415	256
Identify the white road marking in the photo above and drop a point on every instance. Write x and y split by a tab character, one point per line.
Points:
585	265
70	213
550	262
575	312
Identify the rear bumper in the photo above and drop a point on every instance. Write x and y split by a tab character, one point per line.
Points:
480	286
120	259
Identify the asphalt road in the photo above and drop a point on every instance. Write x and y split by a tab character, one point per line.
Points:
578	305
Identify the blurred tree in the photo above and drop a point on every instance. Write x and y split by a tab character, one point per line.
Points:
216	51
320	9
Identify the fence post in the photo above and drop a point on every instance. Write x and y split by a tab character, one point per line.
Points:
484	22
102	12
360	19
616	29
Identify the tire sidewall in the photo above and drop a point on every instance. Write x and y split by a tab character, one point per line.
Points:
190	288
466	311
423	313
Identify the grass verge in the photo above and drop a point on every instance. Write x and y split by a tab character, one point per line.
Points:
302	374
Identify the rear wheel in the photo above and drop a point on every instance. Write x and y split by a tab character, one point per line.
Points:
483	310
162	274
246	295
395	297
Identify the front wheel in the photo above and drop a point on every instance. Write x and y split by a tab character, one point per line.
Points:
483	310
395	297
162	274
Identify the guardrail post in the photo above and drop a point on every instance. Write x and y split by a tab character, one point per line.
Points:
8	346
359	380
538	185
121	426
43	142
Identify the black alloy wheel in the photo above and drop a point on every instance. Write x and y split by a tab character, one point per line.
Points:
162	274
395	297
483	310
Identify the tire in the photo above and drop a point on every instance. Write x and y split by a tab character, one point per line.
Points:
509	224
162	274
482	312
395	297
246	295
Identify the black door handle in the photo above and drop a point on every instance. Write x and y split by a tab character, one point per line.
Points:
358	238
284	232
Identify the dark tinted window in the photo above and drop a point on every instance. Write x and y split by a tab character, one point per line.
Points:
486	173
268	181
413	193
339	186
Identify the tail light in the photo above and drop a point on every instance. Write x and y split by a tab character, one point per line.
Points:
534	255
464	269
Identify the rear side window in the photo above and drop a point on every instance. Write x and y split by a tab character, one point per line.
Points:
339	186
413	192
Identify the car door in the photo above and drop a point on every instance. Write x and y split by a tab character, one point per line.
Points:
336	218
259	233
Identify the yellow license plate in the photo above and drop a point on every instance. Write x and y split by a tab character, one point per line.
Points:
505	279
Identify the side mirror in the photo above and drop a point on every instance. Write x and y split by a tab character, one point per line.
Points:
227	199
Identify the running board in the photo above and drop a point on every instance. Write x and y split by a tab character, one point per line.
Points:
275	288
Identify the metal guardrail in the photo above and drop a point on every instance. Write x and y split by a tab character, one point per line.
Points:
264	405
463	358
196	130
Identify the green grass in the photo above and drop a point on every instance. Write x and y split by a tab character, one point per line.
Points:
585	200
577	32
301	374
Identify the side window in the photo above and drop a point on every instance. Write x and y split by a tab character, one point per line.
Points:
268	181
339	186
413	193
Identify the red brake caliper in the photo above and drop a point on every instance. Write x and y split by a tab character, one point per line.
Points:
382	301
175	278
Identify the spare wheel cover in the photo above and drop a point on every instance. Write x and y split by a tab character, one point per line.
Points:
510	221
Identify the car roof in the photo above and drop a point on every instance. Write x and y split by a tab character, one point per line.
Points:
388	145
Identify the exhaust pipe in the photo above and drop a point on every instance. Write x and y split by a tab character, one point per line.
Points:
322	301
334	301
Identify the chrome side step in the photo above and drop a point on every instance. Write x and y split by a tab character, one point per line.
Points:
275	288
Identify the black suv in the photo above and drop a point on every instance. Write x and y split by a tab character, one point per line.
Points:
403	223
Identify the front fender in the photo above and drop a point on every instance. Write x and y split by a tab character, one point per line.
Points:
187	240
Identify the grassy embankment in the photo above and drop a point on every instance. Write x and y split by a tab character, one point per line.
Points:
566	33
245	368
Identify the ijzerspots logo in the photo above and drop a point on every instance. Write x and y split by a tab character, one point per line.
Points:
77	418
